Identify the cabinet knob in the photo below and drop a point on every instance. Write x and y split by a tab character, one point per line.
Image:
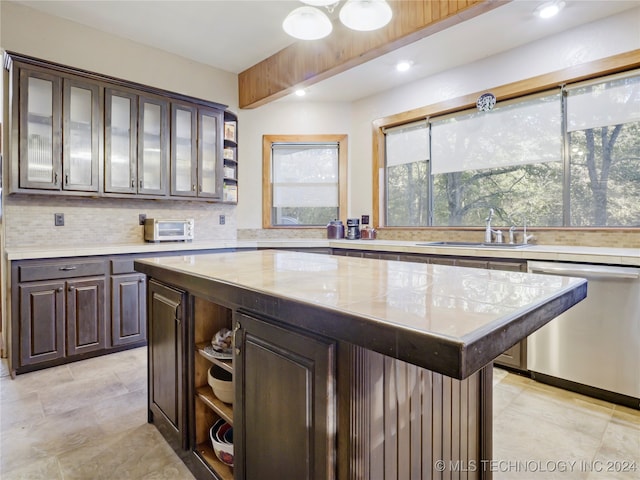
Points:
193	187
59	289
71	288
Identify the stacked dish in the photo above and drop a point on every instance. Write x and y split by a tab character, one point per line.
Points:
221	434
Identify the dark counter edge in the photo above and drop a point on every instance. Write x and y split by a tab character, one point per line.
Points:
445	355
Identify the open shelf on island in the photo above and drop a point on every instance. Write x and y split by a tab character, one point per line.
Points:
205	451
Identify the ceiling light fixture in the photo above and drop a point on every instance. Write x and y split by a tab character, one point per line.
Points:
307	23
403	66
311	23
365	15
549	9
301	92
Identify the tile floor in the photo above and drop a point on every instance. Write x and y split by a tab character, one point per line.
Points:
87	420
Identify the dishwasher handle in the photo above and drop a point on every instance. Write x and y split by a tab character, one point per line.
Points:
590	271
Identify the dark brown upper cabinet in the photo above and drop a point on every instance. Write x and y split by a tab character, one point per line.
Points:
80	133
59	132
136	143
196	151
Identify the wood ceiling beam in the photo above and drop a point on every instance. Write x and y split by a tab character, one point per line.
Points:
305	63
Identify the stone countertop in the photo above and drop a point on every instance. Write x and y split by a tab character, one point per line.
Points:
451	320
605	255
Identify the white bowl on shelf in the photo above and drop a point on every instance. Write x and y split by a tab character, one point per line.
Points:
221	382
223	450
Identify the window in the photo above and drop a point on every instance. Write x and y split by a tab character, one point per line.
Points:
407	175
304	180
508	159
568	157
603	123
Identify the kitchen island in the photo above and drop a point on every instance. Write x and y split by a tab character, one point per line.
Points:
343	367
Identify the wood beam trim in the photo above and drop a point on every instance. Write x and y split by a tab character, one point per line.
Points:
306	63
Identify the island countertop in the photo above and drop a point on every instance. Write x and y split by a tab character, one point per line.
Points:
451	320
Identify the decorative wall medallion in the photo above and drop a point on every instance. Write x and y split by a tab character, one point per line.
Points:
486	102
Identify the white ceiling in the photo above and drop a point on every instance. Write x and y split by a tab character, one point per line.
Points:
233	35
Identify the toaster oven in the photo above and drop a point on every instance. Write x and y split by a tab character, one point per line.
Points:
157	230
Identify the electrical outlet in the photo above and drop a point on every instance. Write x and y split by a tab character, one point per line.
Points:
222	219
141	218
365	220
58	219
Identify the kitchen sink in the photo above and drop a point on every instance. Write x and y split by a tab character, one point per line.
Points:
473	244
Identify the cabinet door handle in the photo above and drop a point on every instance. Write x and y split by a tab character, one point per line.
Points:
55	178
235	338
178	319
59	289
140	183
66	269
66	179
193	187
71	288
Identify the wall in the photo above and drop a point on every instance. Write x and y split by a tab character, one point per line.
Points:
607	37
610	36
28	220
282	118
30	32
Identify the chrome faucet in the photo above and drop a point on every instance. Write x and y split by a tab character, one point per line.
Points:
512	236
525	237
488	231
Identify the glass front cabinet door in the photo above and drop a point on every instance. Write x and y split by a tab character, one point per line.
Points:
81	134
121	112
60	129
153	151
184	171
209	153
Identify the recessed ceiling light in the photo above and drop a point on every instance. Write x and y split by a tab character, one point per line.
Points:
301	92
403	66
549	9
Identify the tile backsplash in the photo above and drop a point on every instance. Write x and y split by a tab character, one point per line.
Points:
29	220
614	238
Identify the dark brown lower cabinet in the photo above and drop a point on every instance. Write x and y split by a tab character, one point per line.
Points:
285	407
167	376
128	309
61	318
86	331
41	321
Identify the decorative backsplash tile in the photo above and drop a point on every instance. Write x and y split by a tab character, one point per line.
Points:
29	220
616	238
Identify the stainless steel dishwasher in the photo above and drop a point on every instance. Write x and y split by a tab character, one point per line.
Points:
597	342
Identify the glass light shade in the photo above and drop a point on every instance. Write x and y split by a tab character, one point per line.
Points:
320	3
365	15
307	23
549	9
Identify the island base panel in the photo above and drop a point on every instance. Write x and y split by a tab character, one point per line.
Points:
409	422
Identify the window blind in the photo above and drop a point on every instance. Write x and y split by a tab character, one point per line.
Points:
407	144
510	134
602	104
305	175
